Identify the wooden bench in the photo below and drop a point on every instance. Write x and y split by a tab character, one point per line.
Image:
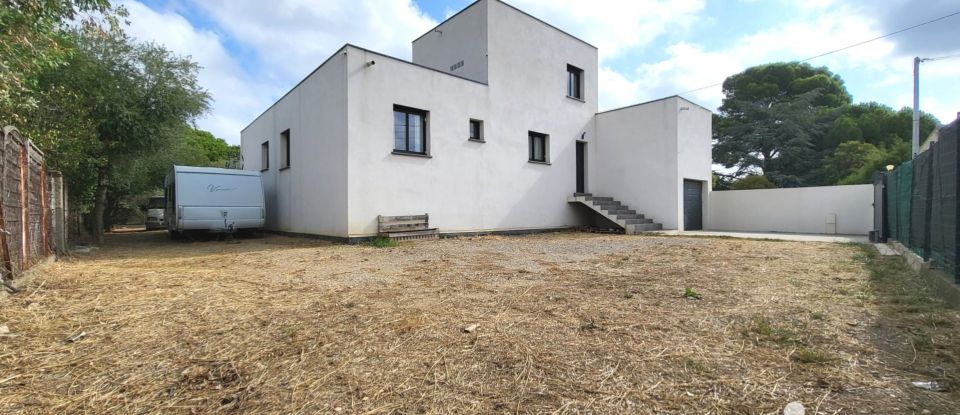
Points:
402	228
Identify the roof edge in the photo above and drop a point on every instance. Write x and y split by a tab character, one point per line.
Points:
512	7
656	100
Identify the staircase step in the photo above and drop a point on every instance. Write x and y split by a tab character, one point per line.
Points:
627	216
582	194
603	199
610	205
642	227
636	221
621	212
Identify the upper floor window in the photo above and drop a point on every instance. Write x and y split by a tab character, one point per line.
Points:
265	156
539	147
574	82
476	130
285	149
409	130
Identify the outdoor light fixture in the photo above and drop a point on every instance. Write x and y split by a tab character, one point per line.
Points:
889	167
371	63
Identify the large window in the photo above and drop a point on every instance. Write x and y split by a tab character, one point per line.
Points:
409	130
539	147
285	149
265	156
476	130
574	82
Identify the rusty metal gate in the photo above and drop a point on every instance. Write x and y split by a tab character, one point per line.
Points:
25	205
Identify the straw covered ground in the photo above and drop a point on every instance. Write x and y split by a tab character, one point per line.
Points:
565	323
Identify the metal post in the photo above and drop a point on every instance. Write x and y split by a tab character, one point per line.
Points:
916	106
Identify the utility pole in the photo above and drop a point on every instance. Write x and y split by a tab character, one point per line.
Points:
916	105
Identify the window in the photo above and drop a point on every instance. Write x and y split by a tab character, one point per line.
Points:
539	147
476	130
265	156
574	82
409	130
285	149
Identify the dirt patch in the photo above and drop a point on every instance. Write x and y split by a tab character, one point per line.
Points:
566	323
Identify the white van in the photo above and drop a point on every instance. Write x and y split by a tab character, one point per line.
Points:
213	200
154	207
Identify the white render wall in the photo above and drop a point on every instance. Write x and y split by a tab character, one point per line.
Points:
463	38
644	152
794	210
468	186
311	196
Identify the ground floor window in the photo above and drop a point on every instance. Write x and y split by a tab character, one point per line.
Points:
476	130
409	130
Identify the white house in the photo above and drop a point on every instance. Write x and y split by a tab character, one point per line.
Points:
493	127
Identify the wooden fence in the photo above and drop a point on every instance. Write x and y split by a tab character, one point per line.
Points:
32	206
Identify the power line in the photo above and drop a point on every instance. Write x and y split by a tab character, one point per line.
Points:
858	44
942	57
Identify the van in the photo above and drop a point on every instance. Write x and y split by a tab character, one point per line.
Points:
213	200
154	208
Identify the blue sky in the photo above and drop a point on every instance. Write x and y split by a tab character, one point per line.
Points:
254	51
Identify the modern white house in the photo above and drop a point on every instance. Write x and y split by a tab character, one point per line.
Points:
493	127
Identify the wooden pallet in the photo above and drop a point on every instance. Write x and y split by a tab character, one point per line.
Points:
405	228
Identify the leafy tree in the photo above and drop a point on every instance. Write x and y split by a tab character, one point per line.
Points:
753	181
31	42
124	103
201	148
772	118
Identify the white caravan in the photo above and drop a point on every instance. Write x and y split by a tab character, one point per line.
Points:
213	200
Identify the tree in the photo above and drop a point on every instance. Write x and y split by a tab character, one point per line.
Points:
753	181
124	102
772	118
30	43
201	148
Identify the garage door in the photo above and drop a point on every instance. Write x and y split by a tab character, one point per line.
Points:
692	205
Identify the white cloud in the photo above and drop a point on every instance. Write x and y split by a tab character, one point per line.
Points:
615	26
282	42
236	98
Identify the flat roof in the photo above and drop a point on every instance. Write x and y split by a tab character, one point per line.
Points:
657	100
512	7
345	46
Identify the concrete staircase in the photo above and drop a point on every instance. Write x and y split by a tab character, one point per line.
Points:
628	219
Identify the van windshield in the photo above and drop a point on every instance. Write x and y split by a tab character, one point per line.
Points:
155	203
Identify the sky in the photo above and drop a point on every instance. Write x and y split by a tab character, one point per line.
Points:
253	51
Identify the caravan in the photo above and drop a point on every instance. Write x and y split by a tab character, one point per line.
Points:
213	200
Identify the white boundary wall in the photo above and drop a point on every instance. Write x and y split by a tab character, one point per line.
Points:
845	210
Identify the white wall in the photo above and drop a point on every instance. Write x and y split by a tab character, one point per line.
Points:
461	38
311	195
694	153
636	157
794	210
468	186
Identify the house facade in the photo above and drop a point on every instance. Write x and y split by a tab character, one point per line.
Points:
492	127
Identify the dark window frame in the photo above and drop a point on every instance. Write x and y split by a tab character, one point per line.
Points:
424	144
479	124
265	156
285	149
544	157
574	82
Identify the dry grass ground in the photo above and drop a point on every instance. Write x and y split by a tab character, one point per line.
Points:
567	323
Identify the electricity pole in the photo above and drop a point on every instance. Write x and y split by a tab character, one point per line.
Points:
916	105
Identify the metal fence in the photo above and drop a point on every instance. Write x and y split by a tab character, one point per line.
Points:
921	203
32	206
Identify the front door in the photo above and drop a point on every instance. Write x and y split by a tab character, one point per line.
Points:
692	205
581	167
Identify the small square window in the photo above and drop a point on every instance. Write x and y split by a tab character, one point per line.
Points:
265	156
574	82
476	130
285	149
539	147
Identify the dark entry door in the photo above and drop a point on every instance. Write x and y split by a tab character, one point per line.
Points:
581	167
692	205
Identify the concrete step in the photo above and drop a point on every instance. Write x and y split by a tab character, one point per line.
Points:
602	199
582	194
635	221
621	212
627	216
643	227
610	205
